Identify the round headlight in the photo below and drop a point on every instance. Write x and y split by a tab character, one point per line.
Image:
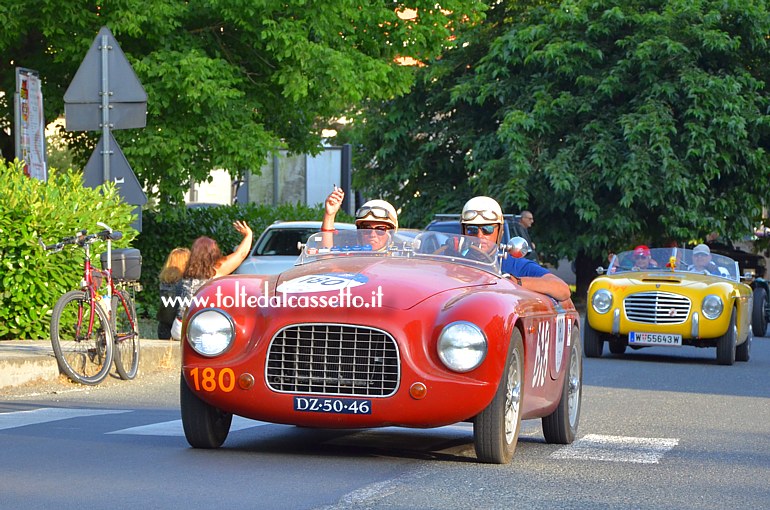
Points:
712	306
210	332
602	301
462	346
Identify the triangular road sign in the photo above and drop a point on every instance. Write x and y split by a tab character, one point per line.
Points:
120	173
123	83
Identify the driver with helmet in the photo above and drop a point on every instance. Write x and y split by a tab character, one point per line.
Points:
482	217
375	220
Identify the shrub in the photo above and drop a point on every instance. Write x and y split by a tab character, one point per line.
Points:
31	280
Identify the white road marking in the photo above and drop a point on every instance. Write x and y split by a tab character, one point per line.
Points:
174	428
45	415
640	450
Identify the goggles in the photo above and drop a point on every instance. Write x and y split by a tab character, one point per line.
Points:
376	211
641	256
700	254
487	215
473	230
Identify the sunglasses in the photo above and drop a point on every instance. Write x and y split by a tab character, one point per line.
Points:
487	215
473	230
379	230
374	211
641	257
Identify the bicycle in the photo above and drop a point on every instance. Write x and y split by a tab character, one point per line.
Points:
90	331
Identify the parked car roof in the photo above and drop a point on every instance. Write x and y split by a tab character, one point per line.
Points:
277	247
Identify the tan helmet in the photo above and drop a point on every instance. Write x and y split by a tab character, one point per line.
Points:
378	210
483	211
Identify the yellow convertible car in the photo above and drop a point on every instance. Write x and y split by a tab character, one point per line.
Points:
670	297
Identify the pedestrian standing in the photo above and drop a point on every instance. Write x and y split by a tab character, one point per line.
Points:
521	229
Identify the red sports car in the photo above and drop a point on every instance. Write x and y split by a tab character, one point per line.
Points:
424	333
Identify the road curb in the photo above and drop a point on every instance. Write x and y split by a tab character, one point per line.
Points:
26	361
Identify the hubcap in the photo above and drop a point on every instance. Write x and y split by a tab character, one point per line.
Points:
574	387
512	400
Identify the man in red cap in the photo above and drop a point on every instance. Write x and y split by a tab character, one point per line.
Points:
642	259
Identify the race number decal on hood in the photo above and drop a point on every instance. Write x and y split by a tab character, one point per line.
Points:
322	283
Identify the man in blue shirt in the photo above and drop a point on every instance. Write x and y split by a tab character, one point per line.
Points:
482	217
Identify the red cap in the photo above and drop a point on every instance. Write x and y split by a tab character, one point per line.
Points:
642	250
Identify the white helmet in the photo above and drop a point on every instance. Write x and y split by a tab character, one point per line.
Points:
378	210
482	211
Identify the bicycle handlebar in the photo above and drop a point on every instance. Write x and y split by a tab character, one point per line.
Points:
82	238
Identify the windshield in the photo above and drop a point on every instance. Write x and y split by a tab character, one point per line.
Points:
282	241
454	248
677	260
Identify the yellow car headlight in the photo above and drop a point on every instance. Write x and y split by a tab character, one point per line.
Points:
712	306
601	301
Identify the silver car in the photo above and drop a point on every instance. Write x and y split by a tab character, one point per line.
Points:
276	249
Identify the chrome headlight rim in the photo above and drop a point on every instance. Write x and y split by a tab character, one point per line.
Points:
449	350
712	307
601	301
196	343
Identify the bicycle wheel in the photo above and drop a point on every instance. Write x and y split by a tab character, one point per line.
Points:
126	331
84	353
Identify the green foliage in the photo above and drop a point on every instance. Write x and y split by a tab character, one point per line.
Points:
179	227
227	81
615	122
31	281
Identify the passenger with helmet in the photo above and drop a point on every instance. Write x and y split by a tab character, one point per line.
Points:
375	220
643	261
482	217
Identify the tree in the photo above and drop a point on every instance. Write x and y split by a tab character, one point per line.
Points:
616	122
227	80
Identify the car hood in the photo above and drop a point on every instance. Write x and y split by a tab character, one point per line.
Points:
633	281
401	283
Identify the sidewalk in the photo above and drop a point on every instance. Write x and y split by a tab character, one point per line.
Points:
23	361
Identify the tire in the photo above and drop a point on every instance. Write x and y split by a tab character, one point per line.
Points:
126	337
758	318
85	357
617	346
560	427
496	428
204	426
726	343
743	351
593	343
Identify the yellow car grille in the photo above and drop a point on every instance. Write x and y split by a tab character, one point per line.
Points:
657	308
333	359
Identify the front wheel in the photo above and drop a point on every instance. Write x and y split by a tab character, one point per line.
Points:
126	331
560	427
593	343
743	351
496	428
726	343
758	317
81	338
204	426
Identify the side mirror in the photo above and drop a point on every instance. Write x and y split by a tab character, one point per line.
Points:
518	247
600	270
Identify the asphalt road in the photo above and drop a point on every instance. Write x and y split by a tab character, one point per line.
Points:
659	429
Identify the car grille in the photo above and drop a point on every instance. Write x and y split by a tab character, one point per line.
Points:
333	359
657	308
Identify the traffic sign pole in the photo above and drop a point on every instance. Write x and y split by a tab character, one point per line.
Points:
105	93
